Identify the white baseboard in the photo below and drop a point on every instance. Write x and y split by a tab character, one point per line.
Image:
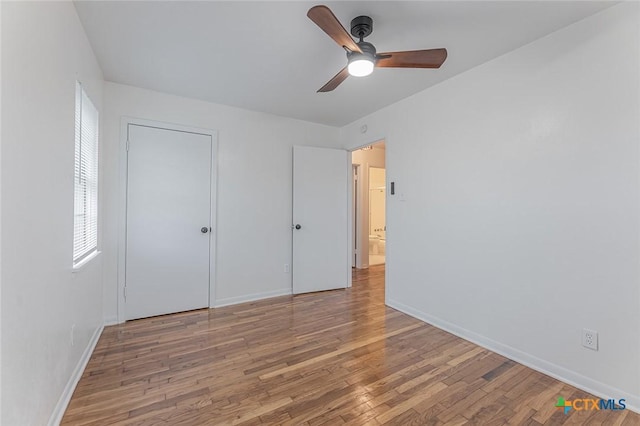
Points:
63	402
251	297
565	375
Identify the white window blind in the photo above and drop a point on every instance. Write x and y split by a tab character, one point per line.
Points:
85	223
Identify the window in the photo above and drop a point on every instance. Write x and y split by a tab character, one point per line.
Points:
85	206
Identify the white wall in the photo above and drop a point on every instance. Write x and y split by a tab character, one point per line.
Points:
254	187
520	224
0	212
44	50
369	158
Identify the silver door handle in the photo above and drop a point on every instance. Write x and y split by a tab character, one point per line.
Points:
204	229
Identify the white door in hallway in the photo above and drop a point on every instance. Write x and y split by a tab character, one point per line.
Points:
168	221
321	237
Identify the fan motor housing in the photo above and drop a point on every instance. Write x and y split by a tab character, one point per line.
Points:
367	48
361	26
368	51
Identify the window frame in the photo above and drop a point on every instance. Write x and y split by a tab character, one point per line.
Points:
85	179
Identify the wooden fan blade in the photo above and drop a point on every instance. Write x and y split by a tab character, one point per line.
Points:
430	58
335	81
327	21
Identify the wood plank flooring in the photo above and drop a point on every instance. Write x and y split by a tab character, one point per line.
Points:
330	358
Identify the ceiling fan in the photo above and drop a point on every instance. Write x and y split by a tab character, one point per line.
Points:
361	55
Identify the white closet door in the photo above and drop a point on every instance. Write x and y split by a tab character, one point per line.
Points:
168	215
320	217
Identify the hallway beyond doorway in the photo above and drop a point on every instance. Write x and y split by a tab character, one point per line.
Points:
369	205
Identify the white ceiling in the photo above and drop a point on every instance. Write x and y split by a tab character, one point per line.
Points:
268	56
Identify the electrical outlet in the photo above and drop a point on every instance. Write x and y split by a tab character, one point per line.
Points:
286	268
73	332
590	339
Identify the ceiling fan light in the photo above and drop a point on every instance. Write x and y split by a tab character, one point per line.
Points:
360	66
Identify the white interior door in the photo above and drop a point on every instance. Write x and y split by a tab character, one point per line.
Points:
320	209
168	221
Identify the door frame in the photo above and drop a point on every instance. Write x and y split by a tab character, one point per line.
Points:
355	207
122	206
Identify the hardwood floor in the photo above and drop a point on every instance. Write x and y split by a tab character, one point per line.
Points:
336	357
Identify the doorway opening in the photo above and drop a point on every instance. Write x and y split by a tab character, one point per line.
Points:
369	205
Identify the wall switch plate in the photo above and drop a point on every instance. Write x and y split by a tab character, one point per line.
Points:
590	339
286	268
